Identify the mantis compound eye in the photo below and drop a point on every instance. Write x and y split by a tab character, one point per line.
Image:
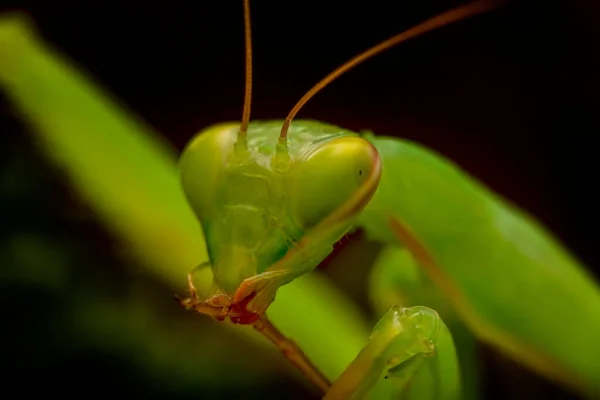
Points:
343	172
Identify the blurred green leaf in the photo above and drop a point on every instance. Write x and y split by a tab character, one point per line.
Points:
128	175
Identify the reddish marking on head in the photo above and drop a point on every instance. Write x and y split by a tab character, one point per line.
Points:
238	312
241	313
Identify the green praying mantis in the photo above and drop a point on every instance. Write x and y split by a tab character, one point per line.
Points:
273	197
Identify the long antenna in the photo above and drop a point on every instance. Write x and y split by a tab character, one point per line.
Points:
248	93
446	18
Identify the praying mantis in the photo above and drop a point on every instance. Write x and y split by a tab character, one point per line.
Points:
480	252
273	197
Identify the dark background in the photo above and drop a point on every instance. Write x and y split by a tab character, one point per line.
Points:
511	96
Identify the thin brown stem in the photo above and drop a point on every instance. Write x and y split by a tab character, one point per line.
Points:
248	92
292	352
443	19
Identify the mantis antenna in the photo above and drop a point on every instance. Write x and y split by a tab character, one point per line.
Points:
443	19
248	92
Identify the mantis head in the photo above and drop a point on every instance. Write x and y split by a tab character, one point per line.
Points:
269	215
272	207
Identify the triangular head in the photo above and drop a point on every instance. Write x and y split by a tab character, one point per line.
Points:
271	216
272	197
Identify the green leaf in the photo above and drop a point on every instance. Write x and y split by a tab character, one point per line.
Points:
128	175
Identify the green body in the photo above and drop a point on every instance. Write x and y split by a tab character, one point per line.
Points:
508	278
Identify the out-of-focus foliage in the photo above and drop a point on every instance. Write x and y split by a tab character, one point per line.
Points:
69	302
127	176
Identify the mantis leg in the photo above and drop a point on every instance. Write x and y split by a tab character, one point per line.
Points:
198	303
190	278
397	278
294	264
412	347
292	352
265	287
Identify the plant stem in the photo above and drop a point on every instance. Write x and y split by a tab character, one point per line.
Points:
292	352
